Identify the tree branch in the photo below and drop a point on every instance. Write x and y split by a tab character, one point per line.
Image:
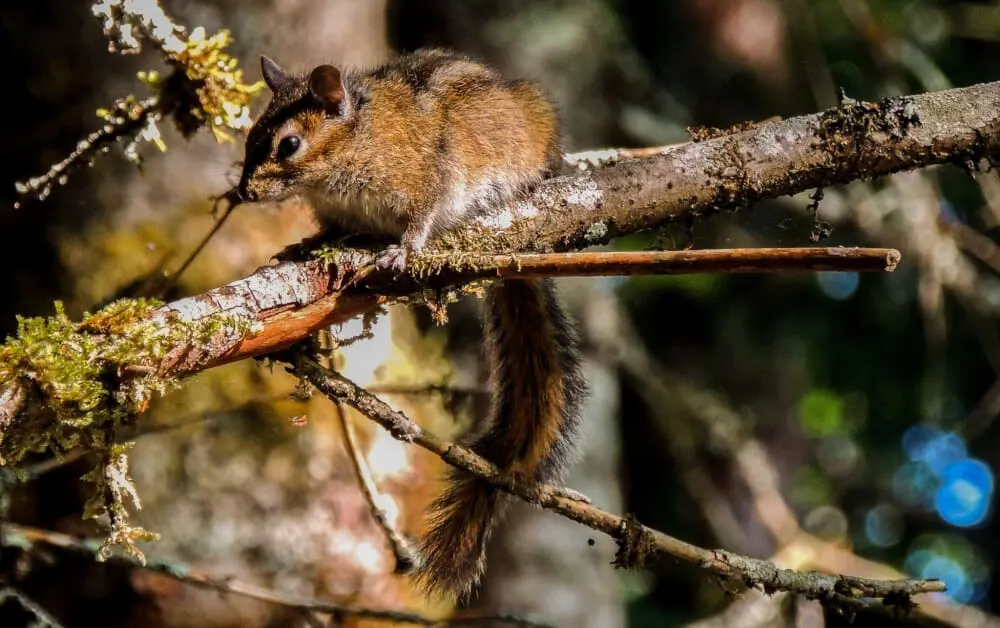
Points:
291	300
855	140
852	141
680	409
146	351
636	543
401	548
25	537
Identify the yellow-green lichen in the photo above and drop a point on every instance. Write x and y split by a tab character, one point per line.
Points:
87	379
112	488
338	253
206	88
433	263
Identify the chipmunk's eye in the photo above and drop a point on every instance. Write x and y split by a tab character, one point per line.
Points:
288	146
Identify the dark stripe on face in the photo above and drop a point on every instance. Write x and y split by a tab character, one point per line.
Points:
287	103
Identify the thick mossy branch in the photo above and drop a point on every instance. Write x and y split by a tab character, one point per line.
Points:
855	140
87	379
71	366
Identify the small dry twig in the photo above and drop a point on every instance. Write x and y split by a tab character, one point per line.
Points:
42	617
402	551
15	535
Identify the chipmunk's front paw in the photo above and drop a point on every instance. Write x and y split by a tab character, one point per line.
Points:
298	252
393	258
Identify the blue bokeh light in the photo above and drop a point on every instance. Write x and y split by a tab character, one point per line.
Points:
936	449
953	559
916	437
913	484
942	477
838	285
944	451
964	497
884	525
960	587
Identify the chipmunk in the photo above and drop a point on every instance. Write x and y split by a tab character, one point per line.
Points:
409	150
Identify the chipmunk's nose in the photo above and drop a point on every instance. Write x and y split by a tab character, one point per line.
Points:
246	191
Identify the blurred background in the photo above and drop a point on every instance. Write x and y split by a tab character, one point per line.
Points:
832	421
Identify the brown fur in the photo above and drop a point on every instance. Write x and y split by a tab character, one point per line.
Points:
432	137
537	389
419	145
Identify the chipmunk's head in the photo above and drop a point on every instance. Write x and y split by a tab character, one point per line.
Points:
291	147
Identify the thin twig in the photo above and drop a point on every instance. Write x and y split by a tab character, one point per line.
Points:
29	605
401	548
24	536
204	88
664	389
232	201
126	119
637	543
756	260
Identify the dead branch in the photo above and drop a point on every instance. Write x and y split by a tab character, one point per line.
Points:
686	407
402	551
637	543
204	88
25	537
291	300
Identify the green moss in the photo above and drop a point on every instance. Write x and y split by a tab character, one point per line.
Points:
92	377
430	264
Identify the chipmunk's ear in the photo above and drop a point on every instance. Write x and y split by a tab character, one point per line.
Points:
274	76
327	86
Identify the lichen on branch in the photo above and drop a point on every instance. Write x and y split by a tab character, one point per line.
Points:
91	378
204	88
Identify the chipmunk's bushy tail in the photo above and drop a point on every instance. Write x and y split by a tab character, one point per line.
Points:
537	390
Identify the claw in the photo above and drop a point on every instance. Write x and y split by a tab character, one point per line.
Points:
393	258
